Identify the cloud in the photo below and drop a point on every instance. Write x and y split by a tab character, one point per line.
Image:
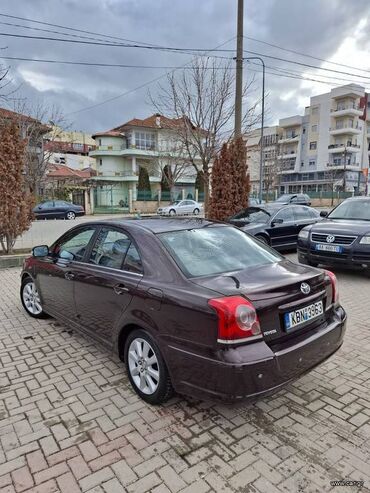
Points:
330	29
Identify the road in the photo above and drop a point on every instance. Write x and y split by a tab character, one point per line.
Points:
70	421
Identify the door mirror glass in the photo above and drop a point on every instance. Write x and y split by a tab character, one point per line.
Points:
323	213
40	251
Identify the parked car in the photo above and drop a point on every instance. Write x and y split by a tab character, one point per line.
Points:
55	209
342	238
274	224
193	306
180	207
298	198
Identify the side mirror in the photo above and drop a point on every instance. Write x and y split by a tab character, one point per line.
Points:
279	220
40	251
324	213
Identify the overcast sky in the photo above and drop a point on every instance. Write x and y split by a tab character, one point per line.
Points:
335	30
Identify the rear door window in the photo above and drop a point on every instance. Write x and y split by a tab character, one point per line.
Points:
110	248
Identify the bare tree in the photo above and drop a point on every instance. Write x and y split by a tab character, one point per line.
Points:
200	99
38	123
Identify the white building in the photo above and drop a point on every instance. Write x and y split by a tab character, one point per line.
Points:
329	145
271	136
120	152
69	148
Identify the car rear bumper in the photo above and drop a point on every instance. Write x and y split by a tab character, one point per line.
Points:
253	370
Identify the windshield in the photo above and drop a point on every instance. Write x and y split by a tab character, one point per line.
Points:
215	250
352	209
252	215
284	198
175	202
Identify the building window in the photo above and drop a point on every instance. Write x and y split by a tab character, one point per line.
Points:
313	145
99	142
145	140
100	162
315	111
312	162
314	128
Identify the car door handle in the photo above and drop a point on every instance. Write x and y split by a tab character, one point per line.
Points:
120	289
69	276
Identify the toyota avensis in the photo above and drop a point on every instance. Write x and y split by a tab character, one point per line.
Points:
193	306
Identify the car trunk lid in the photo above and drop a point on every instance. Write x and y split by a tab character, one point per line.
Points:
274	290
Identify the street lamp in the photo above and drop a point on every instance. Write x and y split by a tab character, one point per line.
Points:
344	169
262	120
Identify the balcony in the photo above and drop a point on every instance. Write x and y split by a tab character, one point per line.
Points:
348	109
349	147
285	139
340	165
346	128
123	150
288	155
287	167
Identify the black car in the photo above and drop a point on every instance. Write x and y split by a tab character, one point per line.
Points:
343	238
294	198
56	209
274	224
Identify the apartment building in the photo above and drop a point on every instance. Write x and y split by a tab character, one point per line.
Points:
121	151
271	139
328	147
70	148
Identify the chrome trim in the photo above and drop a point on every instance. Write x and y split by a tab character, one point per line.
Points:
236	341
335	235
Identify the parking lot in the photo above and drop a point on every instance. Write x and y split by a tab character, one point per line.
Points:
70	422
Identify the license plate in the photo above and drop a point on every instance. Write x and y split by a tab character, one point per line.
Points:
303	315
329	248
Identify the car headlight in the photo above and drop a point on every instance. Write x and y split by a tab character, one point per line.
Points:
365	240
303	234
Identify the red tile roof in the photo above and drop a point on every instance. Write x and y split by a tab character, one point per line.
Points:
13	115
153	121
108	133
62	171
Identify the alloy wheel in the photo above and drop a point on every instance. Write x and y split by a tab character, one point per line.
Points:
31	299
143	366
71	215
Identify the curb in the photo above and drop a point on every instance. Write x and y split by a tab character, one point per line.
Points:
8	261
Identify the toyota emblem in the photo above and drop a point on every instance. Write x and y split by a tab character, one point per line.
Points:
305	288
330	239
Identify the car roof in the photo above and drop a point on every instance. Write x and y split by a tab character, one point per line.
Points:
160	225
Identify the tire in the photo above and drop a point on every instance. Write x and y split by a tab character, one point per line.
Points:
70	215
30	299
154	387
196	211
262	239
172	212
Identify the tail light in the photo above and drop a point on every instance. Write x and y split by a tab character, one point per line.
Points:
334	287
237	319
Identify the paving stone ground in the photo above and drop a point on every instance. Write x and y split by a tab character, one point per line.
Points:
70	422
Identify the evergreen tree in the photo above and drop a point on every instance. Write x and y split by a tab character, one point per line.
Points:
15	202
230	181
166	179
143	187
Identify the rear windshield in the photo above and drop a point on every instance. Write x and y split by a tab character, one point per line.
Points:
215	250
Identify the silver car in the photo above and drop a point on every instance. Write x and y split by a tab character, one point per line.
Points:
180	207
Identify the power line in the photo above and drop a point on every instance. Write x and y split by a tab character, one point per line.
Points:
306	54
286	73
118	96
71	28
305	64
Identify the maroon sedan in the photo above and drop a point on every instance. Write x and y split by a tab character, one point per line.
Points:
193	306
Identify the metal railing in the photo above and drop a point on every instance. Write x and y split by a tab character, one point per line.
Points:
346	107
335	146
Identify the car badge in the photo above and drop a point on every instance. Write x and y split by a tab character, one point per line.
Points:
305	288
330	239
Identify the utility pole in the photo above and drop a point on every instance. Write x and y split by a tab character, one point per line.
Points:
239	71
